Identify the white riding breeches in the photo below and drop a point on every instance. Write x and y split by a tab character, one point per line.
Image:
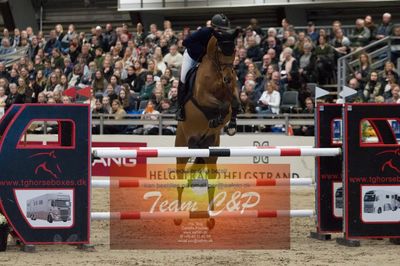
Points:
187	64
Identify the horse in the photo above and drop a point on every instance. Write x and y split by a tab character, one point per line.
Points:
212	104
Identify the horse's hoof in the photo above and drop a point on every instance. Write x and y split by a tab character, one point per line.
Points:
231	131
177	222
210	223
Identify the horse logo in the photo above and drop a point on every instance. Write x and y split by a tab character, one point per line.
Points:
44	166
392	163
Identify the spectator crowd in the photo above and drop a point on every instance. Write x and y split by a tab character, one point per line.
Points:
138	71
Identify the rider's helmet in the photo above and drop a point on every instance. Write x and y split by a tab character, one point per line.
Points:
220	21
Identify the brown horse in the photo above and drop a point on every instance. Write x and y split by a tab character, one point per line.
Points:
209	109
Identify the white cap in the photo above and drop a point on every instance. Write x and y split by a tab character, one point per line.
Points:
98	28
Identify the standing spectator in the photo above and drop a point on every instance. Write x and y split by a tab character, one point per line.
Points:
68	37
385	28
311	32
173	59
307	64
140	35
324	64
33	48
341	44
306	130
52	43
395	44
6	48
361	34
109	37
363	72
371	26
290	69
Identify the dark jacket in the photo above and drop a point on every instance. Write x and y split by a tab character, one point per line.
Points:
196	43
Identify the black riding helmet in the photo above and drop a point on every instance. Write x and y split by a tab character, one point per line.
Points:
220	21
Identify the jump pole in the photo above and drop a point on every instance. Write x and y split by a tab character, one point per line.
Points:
211	152
137	215
135	183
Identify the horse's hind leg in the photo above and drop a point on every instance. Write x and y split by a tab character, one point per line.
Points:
180	168
212	174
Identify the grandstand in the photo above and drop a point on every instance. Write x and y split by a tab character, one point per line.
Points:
83	73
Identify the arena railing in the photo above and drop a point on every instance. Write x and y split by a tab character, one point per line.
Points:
379	53
162	120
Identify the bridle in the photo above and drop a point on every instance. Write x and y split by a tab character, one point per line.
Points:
221	67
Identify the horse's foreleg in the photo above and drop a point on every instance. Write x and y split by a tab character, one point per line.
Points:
212	174
180	173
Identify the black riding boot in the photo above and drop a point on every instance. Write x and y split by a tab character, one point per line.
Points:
180	113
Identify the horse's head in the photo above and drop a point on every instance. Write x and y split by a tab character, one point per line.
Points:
221	50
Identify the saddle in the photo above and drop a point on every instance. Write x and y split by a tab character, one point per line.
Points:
215	116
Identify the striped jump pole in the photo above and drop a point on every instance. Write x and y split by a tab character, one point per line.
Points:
135	183
211	152
137	215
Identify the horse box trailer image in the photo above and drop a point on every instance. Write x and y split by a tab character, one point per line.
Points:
339	198
378	201
50	207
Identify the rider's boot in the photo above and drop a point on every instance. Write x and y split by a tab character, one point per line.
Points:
180	113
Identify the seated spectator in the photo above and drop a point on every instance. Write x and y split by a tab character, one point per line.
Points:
249	88
105	101
152	68
306	130
395	95
272	44
266	62
389	82
3	71
41	98
361	34
385	28
3	97
129	103
251	68
110	92
270	100
251	34
14	97
75	78
324	61
157	95
99	83
98	107
6	47
140	74
63	85
247	106
147	88
253	49
290	69
372	88
150	113
173	98
355	85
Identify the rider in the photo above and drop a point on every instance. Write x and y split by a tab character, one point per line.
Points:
196	48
